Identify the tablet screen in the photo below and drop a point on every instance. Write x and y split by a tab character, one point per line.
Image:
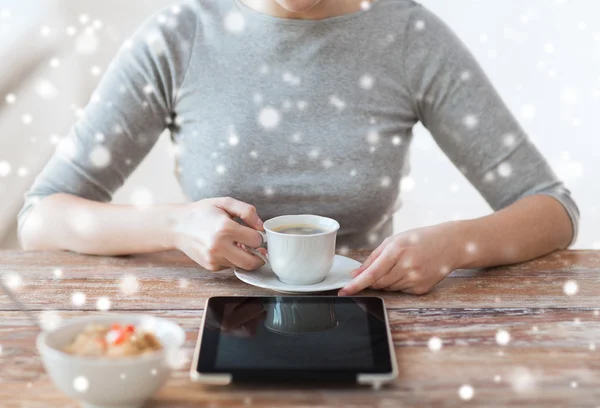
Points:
288	334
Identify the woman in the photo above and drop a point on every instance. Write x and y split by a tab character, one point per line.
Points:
298	106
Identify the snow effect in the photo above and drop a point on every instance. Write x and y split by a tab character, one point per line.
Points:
103	304
522	380
466	392
508	139
337	102
5	168
12	280
570	288
291	79
100	156
367	82
471	121
465	75
57	273
49	319
183	283
45	31
221	169
96	70
471	247
67	148
396	140
269	118
235	22
407	184
386	181
141	198
502	337
435	344
10	98
27	119
233	138
365	5
129	285
78	299
419	25
22	172
87	43
373	137
373	238
505	169
81	384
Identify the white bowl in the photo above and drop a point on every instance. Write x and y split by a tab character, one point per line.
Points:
102	382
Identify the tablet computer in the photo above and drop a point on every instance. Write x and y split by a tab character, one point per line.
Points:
294	338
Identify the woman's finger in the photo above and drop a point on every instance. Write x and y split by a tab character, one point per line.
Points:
242	258
236	208
381	266
400	285
370	259
243	235
214	265
394	276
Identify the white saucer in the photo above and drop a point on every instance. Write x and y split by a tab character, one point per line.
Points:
337	278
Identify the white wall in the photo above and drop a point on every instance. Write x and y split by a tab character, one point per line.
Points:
543	54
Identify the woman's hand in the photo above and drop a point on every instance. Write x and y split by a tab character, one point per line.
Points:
412	262
206	232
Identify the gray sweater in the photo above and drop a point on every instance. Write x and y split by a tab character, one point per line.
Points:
298	116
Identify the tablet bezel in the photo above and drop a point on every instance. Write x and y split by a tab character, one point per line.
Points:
374	377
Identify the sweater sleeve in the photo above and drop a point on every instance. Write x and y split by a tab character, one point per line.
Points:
456	102
133	104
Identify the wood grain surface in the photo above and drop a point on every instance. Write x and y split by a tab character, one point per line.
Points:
552	358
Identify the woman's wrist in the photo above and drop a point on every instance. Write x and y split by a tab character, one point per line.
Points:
464	249
162	221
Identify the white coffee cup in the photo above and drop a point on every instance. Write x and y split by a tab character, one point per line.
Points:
300	259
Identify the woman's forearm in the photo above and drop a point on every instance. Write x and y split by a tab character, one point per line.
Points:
67	222
531	227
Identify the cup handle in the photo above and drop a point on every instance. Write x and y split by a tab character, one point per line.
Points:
255	251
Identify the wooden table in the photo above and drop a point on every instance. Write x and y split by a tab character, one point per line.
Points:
551	359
